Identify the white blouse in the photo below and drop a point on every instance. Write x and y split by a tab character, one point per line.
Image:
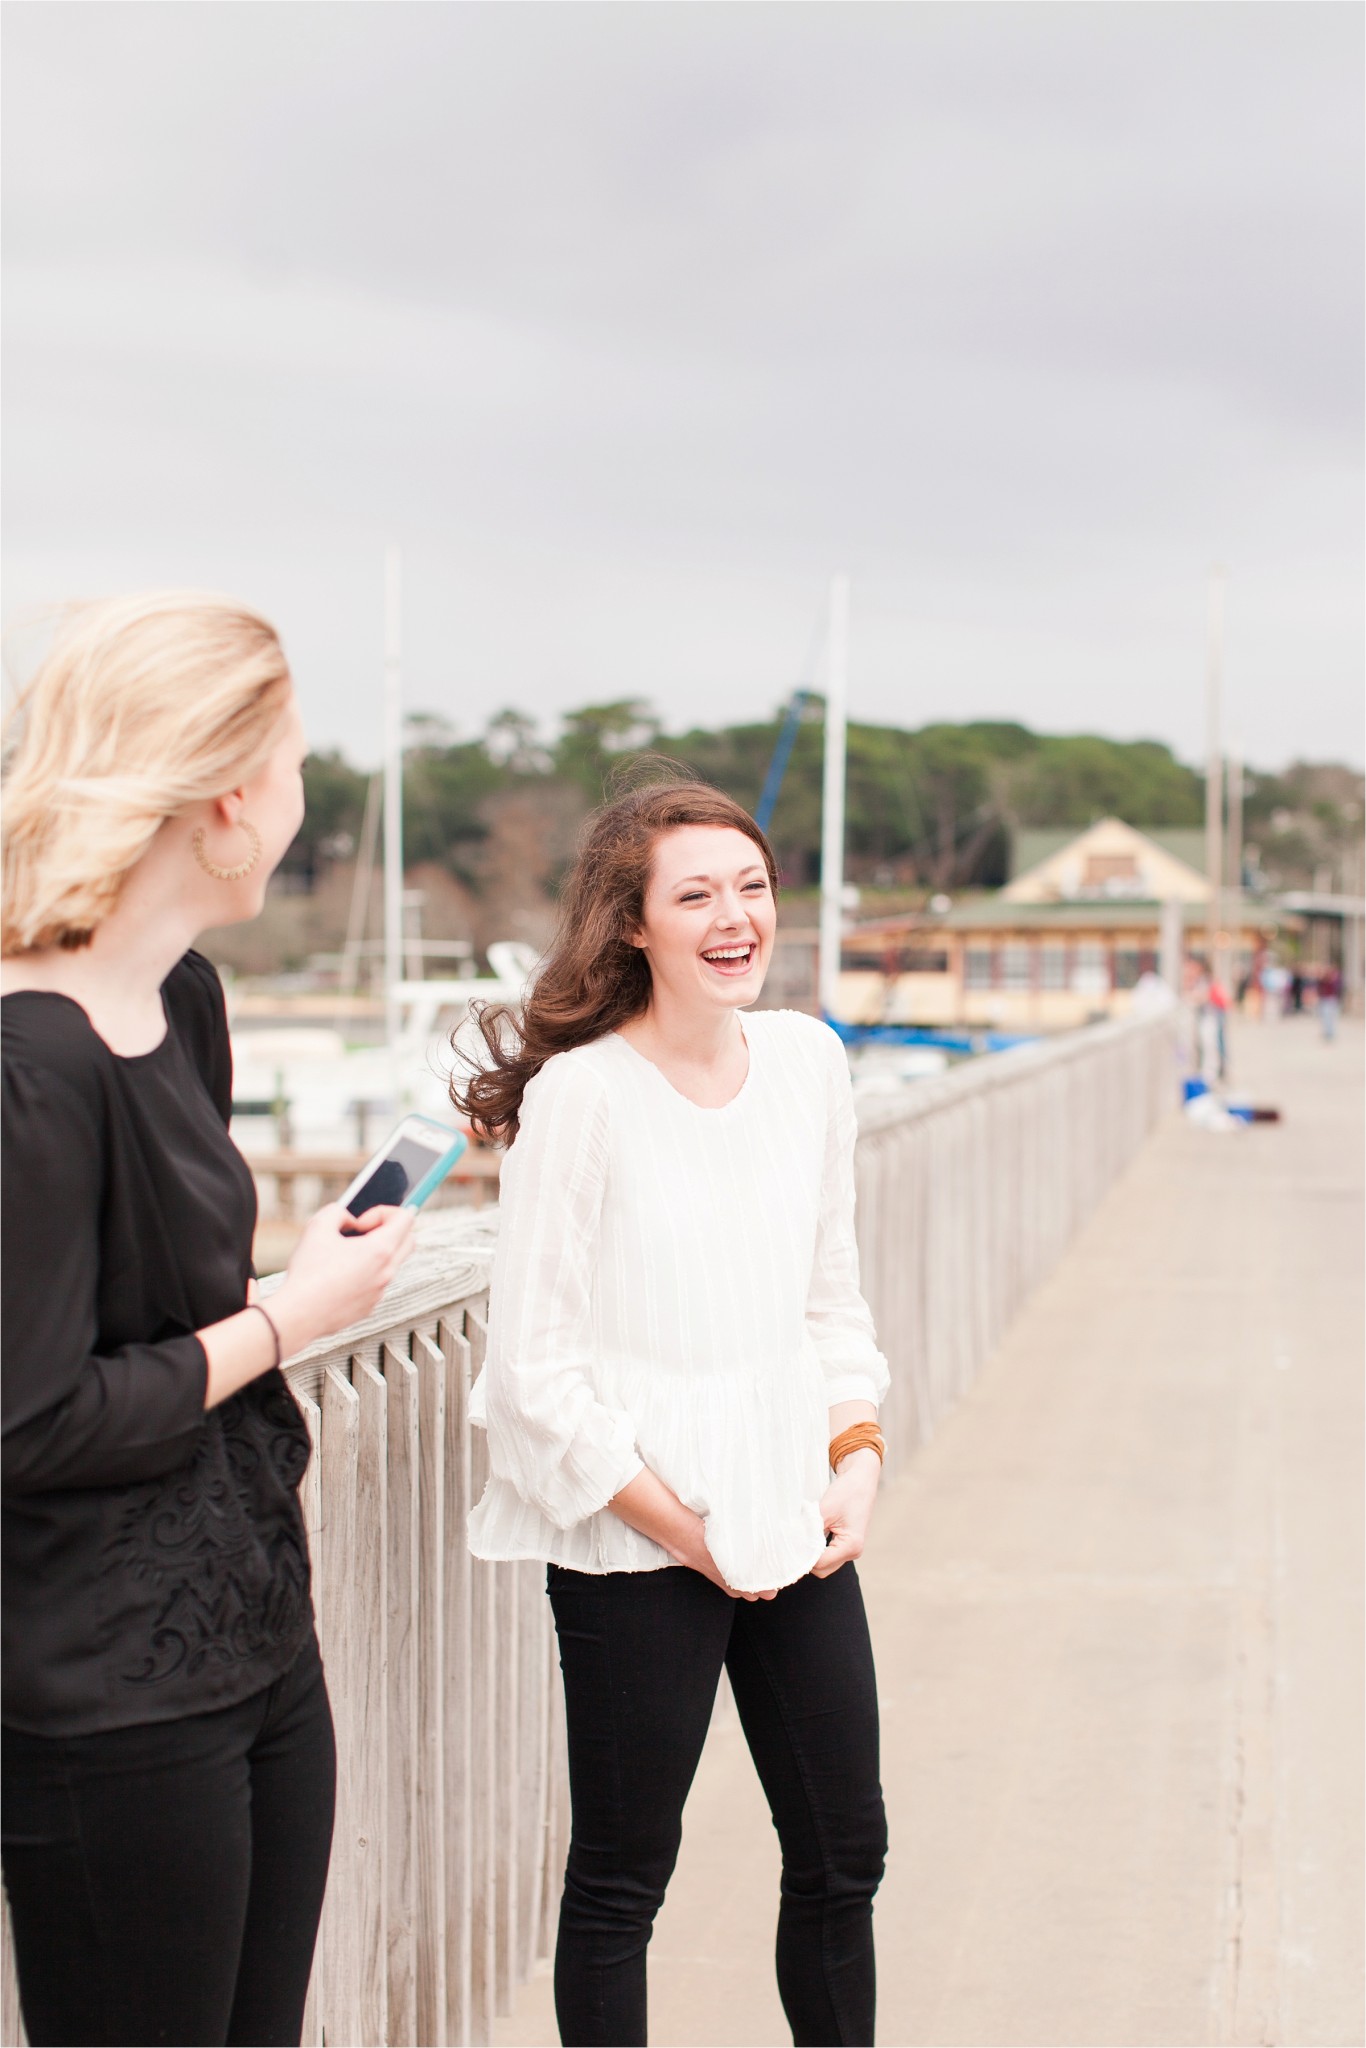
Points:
676	1287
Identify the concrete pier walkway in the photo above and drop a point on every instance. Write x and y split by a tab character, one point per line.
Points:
1117	1607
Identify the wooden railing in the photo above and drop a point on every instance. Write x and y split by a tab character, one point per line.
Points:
451	1793
970	1186
452	1800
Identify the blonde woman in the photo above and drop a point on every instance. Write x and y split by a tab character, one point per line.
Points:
168	1752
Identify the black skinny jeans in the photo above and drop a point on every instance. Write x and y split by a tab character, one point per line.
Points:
166	1880
642	1654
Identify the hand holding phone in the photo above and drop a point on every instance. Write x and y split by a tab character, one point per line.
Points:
351	1249
340	1268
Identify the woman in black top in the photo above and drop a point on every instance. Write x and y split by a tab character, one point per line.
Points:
167	1743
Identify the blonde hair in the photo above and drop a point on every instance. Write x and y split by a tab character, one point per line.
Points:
142	707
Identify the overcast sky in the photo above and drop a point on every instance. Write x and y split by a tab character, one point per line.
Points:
633	323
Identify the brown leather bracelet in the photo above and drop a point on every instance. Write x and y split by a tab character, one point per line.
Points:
860	1436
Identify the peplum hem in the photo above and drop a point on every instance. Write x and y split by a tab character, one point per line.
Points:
505	1528
747	1454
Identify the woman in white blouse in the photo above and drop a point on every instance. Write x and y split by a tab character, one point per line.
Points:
678	1355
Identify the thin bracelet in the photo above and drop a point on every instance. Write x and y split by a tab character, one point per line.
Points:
270	1325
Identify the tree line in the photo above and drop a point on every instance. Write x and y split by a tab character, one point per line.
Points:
933	807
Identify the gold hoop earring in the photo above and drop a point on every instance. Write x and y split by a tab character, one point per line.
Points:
243	868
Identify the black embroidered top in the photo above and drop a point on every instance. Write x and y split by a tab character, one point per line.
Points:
154	1555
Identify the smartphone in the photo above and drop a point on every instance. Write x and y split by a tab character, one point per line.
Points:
408	1168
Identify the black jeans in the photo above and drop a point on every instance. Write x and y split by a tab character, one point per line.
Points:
641	1654
166	1880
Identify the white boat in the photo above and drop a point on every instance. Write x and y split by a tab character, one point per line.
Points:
306	1085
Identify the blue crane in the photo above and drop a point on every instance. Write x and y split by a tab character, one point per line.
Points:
782	754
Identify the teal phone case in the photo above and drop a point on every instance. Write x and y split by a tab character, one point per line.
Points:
430	1182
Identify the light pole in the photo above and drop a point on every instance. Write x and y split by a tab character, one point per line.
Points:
1234	906
1214	780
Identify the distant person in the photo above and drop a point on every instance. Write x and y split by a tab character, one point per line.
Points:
680	1396
1275	991
1209	1002
1255	995
168	1753
1217	998
1330	1003
1297	985
1189	1049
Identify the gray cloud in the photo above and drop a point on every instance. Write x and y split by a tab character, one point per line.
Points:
634	323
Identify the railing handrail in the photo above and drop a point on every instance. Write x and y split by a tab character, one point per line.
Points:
448	1266
993	1070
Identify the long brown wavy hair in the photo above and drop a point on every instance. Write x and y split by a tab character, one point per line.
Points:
592	979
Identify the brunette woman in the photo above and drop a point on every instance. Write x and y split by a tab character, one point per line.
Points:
679	1355
168	1754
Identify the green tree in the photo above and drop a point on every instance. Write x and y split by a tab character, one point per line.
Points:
512	739
935	805
334	805
1074	780
596	739
444	788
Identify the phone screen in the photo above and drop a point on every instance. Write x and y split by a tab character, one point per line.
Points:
405	1163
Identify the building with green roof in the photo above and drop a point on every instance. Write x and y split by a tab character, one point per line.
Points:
1083	918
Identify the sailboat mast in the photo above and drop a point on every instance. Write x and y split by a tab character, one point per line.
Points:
393	790
832	796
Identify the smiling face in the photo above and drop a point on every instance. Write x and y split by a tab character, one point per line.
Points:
709	916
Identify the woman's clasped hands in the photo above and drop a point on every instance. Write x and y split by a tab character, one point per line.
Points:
846	1512
647	1504
698	1557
